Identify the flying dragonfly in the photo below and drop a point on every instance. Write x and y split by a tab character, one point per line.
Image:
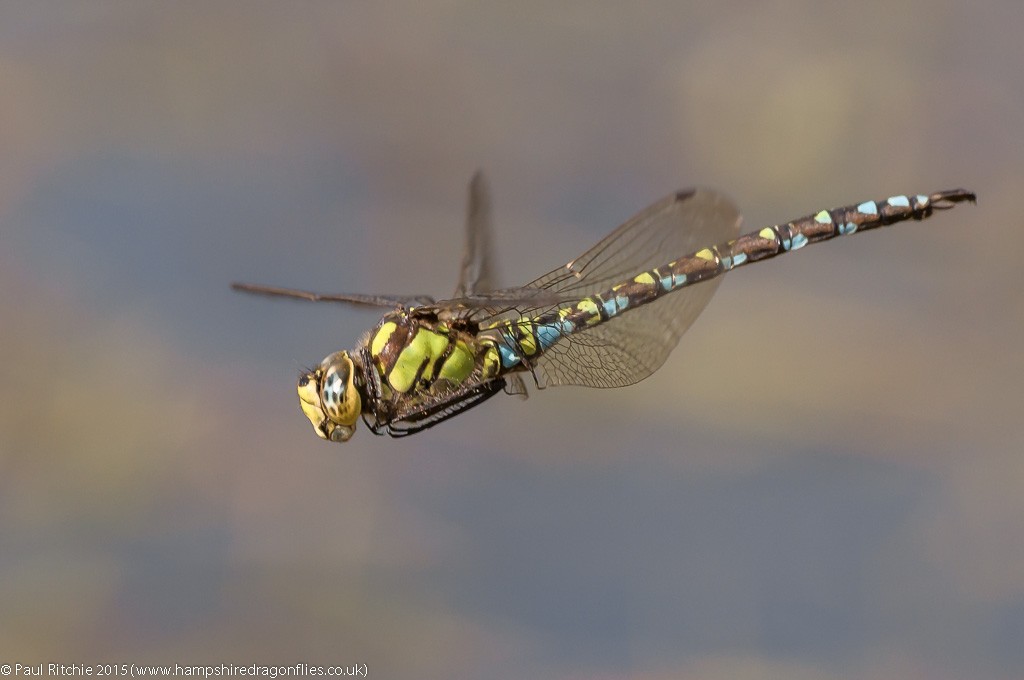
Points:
608	318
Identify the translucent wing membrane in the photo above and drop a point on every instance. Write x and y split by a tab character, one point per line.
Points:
675	226
477	273
629	347
476	277
626	349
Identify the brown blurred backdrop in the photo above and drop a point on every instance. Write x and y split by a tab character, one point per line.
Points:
852	508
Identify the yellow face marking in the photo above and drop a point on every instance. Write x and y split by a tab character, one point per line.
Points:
382	337
458	365
768	234
309	401
308	389
645	279
315	415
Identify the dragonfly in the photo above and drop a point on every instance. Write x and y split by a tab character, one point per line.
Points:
608	318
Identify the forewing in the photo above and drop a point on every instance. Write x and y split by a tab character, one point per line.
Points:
387	301
677	225
631	346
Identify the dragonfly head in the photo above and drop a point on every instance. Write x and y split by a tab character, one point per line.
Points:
330	398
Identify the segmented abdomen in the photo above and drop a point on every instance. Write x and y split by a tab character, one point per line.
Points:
514	344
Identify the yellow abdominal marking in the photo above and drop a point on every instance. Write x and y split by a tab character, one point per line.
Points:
492	362
526	339
589	307
645	278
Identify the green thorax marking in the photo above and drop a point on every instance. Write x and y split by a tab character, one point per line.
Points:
415	354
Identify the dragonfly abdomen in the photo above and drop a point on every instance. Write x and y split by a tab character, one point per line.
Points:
519	342
827	224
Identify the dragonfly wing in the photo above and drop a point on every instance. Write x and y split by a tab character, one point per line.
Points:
477	273
675	226
388	301
629	347
626	349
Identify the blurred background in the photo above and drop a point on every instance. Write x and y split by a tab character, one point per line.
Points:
852	507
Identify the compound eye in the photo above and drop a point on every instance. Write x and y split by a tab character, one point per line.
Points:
333	391
339	397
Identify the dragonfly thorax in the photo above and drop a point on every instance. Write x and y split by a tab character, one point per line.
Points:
415	354
330	397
